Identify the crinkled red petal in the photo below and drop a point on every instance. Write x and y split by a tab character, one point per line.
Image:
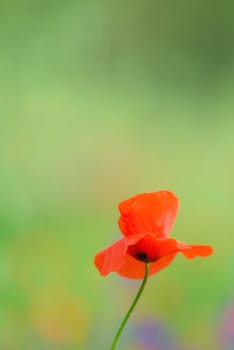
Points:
149	213
112	258
135	269
198	250
190	251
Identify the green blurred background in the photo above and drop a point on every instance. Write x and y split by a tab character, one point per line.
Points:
101	100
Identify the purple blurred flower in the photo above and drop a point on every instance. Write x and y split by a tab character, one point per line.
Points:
226	332
150	334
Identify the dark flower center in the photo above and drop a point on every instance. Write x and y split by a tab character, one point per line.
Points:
142	257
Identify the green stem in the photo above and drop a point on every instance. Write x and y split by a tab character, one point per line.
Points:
128	314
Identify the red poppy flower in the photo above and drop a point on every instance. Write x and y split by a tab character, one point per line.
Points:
145	221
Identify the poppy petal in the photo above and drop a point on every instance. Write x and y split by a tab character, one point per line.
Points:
135	269
190	251
111	258
198	250
153	249
148	213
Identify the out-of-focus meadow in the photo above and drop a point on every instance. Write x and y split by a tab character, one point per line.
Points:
100	101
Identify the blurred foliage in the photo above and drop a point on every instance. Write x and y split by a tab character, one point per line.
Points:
100	101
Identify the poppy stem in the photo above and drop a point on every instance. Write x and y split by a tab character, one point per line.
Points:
128	314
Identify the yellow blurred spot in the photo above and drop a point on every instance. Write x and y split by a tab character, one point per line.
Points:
59	317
